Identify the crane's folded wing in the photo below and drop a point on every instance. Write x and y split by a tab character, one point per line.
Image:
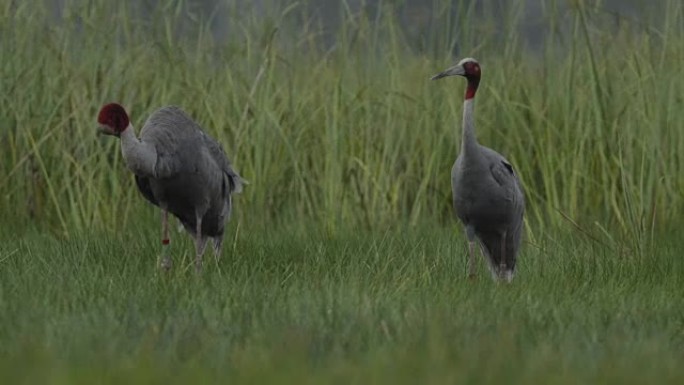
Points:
503	174
145	189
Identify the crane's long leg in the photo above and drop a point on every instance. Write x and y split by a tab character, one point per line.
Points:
472	267
218	242
200	244
502	262
166	262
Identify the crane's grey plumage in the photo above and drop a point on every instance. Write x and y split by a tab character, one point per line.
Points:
487	195
180	169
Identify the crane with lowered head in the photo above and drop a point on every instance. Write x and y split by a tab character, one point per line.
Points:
180	169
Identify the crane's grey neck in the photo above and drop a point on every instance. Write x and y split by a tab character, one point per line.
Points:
468	140
140	157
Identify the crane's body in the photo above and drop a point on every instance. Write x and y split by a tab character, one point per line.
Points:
487	196
182	170
193	175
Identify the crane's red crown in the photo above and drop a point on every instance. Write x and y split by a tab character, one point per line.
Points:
471	69
113	116
472	72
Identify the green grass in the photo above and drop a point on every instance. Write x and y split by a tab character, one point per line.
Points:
311	308
343	262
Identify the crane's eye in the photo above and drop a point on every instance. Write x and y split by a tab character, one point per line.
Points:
472	69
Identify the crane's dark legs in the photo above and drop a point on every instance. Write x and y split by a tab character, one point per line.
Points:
165	262
218	242
502	261
472	267
505	274
200	244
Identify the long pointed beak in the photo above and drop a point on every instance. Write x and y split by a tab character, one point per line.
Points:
453	71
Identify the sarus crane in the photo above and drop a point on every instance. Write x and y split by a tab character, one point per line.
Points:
487	196
180	169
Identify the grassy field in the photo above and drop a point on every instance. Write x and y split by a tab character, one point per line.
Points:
390	307
343	262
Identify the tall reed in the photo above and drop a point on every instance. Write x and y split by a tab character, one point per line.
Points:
342	127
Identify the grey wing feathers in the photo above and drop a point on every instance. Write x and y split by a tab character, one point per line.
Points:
234	180
171	131
503	174
491	242
143	184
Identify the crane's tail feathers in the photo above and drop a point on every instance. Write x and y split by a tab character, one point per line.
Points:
236	182
491	248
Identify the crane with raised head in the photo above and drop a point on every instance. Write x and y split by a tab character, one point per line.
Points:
487	196
180	169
